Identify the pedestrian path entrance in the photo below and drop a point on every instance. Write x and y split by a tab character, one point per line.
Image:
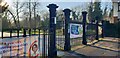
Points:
101	48
80	37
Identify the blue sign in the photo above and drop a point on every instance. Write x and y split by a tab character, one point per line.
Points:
76	30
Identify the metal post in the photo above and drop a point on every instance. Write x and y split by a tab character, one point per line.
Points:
52	31
84	41
18	42
24	32
97	30
10	44
18	32
30	32
10	33
102	28
43	44
39	40
67	46
2	34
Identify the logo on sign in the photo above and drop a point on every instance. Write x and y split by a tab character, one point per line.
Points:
74	29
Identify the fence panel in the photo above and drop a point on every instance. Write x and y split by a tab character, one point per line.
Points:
29	46
60	35
90	33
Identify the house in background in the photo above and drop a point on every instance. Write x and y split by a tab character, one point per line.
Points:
119	10
116	12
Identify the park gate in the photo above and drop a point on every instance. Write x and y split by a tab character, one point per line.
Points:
79	33
47	40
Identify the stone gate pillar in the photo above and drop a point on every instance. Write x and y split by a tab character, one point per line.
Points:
52	52
84	41
67	46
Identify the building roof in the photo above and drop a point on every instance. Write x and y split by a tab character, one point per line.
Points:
115	0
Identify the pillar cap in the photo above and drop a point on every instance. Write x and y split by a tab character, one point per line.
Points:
66	10
84	12
52	6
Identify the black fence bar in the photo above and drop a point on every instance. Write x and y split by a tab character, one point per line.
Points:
25	48
10	33
18	43
24	32
39	40
97	30
2	34
29	32
43	53
10	51
47	42
18	32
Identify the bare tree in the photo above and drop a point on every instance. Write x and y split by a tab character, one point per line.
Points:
30	13
76	13
35	6
18	9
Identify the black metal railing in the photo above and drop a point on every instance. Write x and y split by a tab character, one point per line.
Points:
23	38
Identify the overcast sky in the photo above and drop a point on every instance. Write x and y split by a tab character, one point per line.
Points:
64	3
62	0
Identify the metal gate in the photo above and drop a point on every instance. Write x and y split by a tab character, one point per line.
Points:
89	31
47	40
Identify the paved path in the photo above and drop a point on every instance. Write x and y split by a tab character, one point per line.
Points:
105	47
